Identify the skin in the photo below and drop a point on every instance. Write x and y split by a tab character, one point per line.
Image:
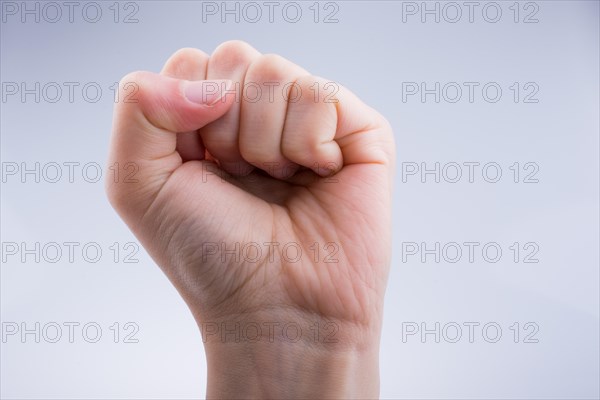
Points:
210	179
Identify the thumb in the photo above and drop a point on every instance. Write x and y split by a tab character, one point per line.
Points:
149	111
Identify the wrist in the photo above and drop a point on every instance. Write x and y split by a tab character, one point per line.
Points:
291	359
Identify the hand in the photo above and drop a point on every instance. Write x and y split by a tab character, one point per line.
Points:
222	177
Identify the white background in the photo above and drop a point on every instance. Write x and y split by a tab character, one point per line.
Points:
373	49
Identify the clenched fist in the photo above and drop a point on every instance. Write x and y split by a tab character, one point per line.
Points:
264	194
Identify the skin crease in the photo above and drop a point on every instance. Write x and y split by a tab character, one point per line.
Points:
218	175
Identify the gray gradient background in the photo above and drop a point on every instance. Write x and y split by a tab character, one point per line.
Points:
370	51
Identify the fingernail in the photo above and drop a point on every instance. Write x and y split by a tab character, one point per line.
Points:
324	171
287	171
207	92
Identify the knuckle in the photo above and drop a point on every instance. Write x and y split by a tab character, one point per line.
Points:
187	59
131	86
188	52
306	81
272	58
311	89
381	122
269	67
274	68
233	53
389	142
135	77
